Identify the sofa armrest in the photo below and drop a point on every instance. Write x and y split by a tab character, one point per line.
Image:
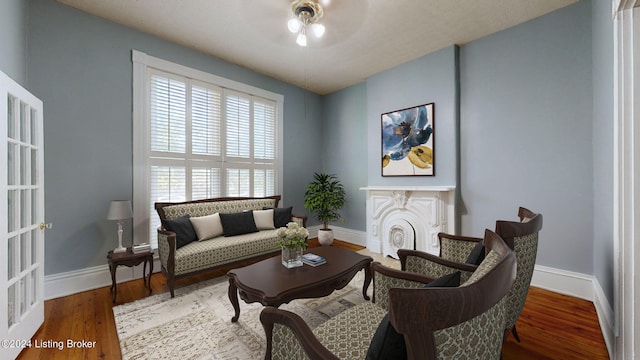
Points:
301	220
292	335
432	266
167	249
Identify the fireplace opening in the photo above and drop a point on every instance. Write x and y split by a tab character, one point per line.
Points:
401	235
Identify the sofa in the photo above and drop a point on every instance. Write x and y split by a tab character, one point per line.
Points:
202	235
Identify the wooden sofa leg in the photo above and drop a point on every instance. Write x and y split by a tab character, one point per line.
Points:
170	283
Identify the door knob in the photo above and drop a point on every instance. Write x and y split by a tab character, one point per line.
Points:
45	226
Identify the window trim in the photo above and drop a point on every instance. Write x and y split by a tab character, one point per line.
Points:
141	137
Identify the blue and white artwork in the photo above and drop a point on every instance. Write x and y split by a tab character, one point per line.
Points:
407	142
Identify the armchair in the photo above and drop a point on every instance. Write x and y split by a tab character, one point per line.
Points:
455	253
522	237
434	322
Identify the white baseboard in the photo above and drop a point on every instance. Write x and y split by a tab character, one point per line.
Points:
344	234
606	316
581	286
72	282
563	282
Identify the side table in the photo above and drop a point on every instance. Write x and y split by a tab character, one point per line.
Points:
128	258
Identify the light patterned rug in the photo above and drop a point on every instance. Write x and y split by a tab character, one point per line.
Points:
196	324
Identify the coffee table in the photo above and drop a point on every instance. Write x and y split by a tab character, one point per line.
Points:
271	284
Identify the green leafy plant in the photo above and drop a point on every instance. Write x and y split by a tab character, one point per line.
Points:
324	197
292	236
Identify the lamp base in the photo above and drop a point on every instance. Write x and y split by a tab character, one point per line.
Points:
120	249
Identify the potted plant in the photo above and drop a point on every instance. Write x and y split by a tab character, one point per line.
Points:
324	197
292	240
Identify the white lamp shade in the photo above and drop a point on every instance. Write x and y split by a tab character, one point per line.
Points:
119	210
318	30
294	25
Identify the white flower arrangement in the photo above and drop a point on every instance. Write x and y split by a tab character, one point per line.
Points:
292	236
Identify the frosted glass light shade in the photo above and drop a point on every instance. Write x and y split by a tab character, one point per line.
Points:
294	25
318	30
302	39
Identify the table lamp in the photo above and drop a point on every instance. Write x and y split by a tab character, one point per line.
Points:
120	210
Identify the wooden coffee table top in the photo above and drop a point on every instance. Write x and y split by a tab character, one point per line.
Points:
271	284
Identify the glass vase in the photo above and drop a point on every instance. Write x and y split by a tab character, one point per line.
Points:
291	257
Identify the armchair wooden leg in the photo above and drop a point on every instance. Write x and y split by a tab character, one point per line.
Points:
515	333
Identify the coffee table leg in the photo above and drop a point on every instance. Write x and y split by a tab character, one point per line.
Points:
367	281
233	297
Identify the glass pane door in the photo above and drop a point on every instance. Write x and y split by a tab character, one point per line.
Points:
21	214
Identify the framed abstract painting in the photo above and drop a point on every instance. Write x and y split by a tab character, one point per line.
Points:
408	141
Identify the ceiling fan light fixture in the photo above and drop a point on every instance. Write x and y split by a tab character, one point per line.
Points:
305	13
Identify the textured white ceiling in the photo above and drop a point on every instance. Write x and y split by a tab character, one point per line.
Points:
363	37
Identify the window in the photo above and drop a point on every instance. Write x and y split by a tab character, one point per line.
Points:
199	136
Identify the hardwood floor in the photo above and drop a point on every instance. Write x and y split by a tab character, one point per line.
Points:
552	326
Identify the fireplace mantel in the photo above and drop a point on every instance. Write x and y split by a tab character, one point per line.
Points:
408	217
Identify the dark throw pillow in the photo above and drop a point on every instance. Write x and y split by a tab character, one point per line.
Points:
386	344
450	280
477	254
238	223
281	216
183	229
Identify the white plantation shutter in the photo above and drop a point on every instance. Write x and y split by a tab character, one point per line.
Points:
238	123
168	114
167	184
264	116
205	120
263	182
206	183
202	138
238	182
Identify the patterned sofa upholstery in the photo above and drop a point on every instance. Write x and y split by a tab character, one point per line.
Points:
221	251
465	322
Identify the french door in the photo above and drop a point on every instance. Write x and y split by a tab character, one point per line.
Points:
21	217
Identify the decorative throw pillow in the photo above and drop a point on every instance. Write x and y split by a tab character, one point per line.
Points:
238	223
281	216
207	227
387	343
477	254
183	229
450	280
264	219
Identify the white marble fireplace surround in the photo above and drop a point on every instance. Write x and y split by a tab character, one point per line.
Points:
408	217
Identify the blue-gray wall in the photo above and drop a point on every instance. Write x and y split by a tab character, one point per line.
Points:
80	66
431	78
526	132
603	106
13	39
345	149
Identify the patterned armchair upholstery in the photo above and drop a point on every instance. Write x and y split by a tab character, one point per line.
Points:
199	256
465	322
521	236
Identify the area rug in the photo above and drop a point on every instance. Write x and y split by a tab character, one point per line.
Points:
196	324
